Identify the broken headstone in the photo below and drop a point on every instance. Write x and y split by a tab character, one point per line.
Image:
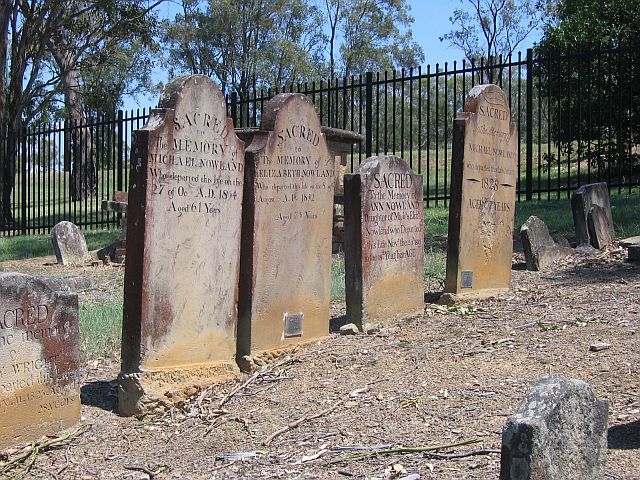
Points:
581	202
600	230
540	249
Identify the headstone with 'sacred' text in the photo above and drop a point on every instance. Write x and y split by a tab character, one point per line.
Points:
384	242
286	246
39	358
483	188
183	249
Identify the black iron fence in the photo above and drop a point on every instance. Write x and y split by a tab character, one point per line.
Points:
578	118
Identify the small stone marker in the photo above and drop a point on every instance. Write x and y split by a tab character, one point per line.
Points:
384	241
69	244
483	189
39	359
582	200
286	246
540	249
558	432
183	249
600	230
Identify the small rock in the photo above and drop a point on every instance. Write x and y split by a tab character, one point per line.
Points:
349	329
371	328
596	347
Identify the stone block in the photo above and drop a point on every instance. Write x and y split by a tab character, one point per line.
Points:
558	432
581	202
69	244
600	230
540	249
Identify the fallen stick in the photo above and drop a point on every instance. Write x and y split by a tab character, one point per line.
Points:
253	378
390	451
447	456
31	454
267	441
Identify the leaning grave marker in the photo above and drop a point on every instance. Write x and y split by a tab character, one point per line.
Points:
483	188
39	358
384	241
286	247
183	249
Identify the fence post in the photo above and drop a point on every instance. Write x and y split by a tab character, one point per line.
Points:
368	114
23	199
120	151
529	135
234	109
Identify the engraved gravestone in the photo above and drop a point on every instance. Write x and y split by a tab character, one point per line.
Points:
39	359
183	249
286	245
483	187
384	241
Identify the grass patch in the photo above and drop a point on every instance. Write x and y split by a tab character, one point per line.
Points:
435	265
100	328
337	278
31	246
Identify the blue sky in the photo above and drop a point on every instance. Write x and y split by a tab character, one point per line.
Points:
431	22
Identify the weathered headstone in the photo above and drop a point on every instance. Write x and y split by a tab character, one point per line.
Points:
69	244
558	432
540	249
483	188
286	246
384	241
183	249
39	359
581	202
600	230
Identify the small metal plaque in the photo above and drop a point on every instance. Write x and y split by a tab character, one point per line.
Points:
466	280
293	324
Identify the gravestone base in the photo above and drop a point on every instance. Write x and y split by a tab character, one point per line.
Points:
465	297
154	392
251	363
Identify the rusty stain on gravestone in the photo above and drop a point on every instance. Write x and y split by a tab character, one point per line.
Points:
183	249
39	359
483	188
384	241
286	243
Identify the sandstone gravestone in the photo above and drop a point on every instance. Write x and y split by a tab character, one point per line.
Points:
582	200
286	245
384	241
540	249
183	249
558	432
69	244
483	188
600	230
39	357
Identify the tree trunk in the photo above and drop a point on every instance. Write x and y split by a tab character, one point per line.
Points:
7	138
78	138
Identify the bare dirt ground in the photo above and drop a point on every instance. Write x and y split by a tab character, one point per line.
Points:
437	379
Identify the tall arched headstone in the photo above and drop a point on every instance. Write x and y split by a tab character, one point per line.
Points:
183	248
483	188
286	257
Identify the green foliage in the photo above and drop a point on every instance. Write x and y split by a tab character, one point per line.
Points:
243	42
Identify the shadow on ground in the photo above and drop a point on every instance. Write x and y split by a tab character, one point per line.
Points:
101	394
625	436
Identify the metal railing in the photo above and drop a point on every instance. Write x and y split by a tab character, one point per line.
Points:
578	118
